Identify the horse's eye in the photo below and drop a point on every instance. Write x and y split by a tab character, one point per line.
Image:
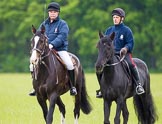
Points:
41	41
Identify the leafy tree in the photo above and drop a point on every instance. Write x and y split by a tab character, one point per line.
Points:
85	19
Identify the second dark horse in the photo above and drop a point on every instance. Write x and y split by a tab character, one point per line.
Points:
117	86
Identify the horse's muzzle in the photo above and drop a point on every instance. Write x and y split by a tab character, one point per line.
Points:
99	69
34	59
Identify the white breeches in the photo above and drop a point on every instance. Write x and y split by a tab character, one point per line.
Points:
66	59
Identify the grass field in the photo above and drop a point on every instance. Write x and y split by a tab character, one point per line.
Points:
16	107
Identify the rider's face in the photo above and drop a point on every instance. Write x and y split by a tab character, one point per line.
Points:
53	14
117	19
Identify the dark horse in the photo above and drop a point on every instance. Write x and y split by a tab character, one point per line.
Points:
50	79
118	86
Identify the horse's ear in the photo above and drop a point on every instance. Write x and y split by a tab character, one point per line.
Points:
33	29
112	35
100	34
42	29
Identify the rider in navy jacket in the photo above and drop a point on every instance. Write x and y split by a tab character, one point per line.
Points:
123	37
57	33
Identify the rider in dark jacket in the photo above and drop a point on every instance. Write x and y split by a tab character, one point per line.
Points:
57	32
123	37
123	45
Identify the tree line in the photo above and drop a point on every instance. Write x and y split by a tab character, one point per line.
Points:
85	19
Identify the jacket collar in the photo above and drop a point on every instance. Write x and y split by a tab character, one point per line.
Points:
48	20
119	26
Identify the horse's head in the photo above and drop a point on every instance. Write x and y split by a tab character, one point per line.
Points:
105	51
39	44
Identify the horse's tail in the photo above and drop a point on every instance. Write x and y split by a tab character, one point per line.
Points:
85	104
144	108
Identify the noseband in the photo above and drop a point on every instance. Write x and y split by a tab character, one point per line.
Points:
38	50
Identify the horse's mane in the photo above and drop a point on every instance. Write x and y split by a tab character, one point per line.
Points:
38	33
106	39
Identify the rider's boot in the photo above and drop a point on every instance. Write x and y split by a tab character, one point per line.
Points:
139	88
73	90
98	92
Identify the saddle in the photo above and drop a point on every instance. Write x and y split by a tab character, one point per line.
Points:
126	68
74	61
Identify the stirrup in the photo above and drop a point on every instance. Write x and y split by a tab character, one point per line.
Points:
98	94
139	87
73	91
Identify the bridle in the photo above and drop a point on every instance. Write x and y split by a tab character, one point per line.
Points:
41	52
42	55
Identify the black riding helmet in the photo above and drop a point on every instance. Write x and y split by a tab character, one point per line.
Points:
54	6
118	11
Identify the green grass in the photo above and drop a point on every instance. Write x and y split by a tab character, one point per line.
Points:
16	107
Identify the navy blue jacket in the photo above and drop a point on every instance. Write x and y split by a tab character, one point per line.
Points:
57	33
123	37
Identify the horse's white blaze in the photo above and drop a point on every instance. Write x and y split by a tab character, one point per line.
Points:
33	57
76	120
62	119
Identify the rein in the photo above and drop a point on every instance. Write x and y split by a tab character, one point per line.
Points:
113	64
46	55
53	62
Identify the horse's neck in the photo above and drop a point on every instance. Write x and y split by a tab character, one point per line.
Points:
53	63
45	66
49	60
113	60
110	70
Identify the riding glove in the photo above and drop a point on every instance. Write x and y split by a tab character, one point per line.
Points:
123	52
50	46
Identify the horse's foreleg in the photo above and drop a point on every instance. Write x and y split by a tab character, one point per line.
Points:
43	104
77	108
76	120
119	103
125	113
107	105
52	102
62	119
62	109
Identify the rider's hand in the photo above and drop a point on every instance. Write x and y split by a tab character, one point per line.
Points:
123	52
50	46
